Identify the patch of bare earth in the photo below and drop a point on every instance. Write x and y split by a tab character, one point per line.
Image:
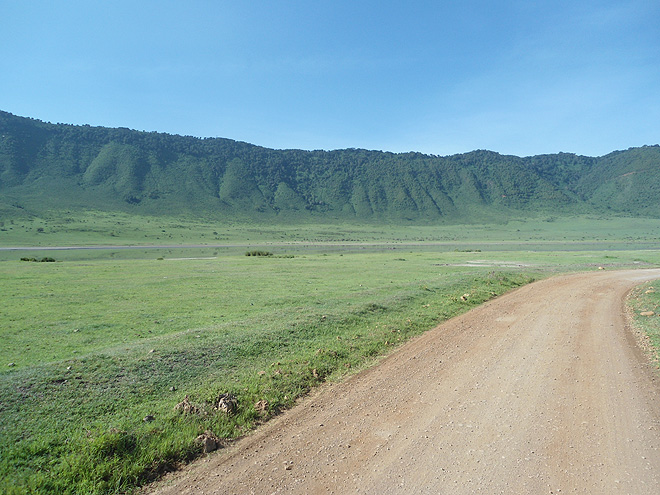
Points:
543	390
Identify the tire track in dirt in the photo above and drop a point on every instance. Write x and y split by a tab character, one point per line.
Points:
542	390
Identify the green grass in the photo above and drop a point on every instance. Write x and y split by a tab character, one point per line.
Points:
97	346
93	228
97	342
643	299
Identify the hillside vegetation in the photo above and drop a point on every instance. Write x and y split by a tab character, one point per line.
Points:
45	166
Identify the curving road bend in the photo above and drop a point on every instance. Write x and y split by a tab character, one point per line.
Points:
541	391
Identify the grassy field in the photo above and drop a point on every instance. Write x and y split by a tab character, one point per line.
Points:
117	229
101	340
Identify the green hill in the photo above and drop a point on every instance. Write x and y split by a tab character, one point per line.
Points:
54	166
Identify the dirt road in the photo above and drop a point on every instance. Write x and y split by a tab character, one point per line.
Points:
541	391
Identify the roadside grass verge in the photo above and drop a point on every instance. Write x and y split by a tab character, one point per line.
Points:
102	352
644	302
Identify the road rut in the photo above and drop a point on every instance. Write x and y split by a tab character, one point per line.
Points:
543	390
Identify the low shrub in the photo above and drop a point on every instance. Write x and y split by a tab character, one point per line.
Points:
257	252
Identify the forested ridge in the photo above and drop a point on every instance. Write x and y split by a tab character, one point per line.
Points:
45	166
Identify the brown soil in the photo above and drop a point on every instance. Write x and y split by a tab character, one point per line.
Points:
543	390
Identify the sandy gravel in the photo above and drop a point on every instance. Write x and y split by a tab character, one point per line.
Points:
541	391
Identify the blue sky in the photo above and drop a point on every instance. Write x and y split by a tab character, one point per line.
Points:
441	77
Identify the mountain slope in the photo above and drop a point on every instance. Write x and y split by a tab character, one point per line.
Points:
46	166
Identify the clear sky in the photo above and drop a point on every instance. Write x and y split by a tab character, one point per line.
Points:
520	77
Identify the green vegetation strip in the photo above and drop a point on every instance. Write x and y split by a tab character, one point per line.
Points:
644	301
95	228
97	354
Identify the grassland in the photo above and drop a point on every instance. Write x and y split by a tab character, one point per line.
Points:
118	231
105	338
